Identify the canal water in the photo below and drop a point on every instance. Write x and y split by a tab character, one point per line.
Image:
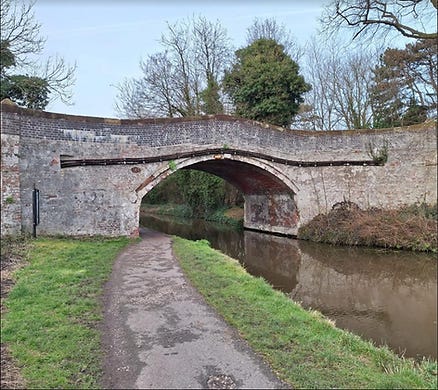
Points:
389	297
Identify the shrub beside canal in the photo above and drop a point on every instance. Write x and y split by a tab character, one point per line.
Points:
303	347
410	227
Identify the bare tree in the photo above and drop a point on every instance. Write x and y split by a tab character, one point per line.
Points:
174	81
321	64
270	29
60	78
352	90
19	31
341	80
411	18
21	46
185	76
130	101
212	47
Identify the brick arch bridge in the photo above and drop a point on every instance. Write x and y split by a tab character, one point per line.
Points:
93	172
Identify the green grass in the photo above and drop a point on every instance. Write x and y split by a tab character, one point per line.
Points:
177	210
303	347
185	211
220	216
53	311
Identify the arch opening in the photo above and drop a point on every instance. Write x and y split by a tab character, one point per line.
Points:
249	179
194	194
269	196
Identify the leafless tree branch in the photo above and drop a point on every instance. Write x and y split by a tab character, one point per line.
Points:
195	52
408	17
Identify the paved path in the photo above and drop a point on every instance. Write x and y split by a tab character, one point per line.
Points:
159	332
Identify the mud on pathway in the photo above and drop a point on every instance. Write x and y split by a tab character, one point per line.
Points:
159	332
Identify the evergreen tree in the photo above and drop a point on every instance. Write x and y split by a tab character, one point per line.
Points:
404	89
26	91
210	98
264	83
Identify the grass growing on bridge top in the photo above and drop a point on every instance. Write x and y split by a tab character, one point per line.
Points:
303	347
53	310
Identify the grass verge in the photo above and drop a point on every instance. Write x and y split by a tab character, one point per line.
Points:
14	252
176	210
53	310
303	347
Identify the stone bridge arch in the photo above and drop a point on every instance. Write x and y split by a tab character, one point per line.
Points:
93	172
270	195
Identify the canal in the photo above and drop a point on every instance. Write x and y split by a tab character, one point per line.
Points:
389	297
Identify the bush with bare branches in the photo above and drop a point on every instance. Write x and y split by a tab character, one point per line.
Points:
410	227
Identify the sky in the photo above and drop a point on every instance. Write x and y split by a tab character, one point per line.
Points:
106	39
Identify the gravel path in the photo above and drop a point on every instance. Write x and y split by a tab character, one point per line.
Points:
159	332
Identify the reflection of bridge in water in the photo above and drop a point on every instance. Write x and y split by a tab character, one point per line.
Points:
93	172
389	297
385	296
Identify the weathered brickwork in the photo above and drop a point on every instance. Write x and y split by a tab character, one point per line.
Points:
10	185
105	200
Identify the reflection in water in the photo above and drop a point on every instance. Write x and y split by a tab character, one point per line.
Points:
389	297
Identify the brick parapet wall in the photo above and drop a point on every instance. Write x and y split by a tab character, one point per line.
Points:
218	130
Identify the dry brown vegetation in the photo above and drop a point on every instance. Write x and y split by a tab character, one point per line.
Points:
411	227
235	213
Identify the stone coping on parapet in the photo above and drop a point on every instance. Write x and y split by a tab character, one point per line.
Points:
7	105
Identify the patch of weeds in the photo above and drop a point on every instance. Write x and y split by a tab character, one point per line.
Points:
411	227
10	200
379	155
172	165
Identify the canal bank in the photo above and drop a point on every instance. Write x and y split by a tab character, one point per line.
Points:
303	347
411	227
389	297
82	264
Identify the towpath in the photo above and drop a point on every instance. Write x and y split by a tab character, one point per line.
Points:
160	334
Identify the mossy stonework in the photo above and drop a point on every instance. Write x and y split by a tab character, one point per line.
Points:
93	172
